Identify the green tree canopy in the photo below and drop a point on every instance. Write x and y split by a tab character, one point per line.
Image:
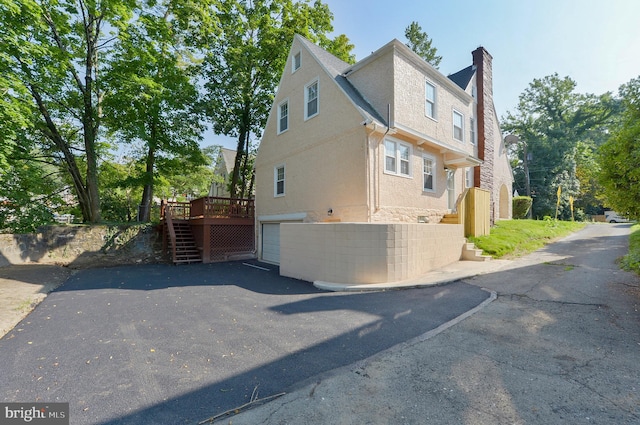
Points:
419	42
153	97
554	125
619	157
49	63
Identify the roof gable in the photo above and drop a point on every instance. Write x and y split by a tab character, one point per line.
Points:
335	67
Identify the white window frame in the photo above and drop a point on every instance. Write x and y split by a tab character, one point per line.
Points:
472	131
276	180
280	105
316	81
296	62
453	125
432	102
427	157
397	159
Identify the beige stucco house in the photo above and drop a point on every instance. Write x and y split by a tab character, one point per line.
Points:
359	163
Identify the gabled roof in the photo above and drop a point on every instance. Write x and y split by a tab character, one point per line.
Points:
229	158
335	67
463	77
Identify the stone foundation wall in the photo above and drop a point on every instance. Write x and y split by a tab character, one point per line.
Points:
406	215
83	245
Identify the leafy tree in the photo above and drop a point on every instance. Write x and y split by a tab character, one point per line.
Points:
419	42
49	63
619	157
243	67
555	124
29	193
155	97
120	190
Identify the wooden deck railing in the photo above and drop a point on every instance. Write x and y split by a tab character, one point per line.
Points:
209	207
166	213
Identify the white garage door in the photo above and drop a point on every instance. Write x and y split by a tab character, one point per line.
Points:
271	242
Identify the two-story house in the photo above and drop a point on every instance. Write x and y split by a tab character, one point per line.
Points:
359	163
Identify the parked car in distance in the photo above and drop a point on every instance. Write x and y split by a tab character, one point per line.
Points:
614	217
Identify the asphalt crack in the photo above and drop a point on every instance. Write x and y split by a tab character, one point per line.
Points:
518	297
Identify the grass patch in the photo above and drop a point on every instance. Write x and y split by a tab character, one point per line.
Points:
631	261
514	238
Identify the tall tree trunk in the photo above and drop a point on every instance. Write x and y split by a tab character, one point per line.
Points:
245	161
235	176
245	127
144	213
90	118
51	132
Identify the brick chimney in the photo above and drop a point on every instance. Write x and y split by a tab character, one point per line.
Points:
483	175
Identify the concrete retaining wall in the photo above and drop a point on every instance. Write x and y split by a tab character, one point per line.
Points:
82	245
366	252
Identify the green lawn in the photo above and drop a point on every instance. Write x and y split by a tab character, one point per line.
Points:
631	261
514	238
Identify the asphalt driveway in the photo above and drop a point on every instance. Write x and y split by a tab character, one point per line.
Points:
159	344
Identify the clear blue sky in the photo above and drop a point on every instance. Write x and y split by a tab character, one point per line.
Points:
595	42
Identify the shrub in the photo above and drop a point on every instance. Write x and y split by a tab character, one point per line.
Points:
521	206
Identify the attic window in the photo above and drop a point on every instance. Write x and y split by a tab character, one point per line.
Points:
297	61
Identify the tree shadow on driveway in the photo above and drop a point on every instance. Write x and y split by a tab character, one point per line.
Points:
164	344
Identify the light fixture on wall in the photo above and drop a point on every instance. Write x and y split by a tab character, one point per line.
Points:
330	212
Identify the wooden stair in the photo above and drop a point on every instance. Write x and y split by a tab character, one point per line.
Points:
186	251
450	219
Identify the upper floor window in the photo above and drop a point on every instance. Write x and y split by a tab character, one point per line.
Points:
428	173
278	181
397	158
311	100
430	100
472	131
458	126
283	116
297	61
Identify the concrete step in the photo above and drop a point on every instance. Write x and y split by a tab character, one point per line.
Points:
471	253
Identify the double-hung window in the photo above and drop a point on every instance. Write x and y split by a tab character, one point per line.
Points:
283	116
278	180
311	97
458	126
428	173
430	100
472	131
397	158
296	62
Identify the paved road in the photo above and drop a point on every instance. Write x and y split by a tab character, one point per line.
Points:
160	344
560	345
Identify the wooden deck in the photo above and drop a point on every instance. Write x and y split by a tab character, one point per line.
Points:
220	228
